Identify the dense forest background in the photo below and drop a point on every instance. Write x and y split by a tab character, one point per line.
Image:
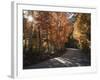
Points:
48	33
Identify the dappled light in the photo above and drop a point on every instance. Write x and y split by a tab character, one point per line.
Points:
48	35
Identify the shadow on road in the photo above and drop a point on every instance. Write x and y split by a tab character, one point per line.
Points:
69	57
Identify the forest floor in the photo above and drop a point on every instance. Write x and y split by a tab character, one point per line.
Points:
71	58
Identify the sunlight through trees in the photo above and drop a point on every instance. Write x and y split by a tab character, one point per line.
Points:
49	32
